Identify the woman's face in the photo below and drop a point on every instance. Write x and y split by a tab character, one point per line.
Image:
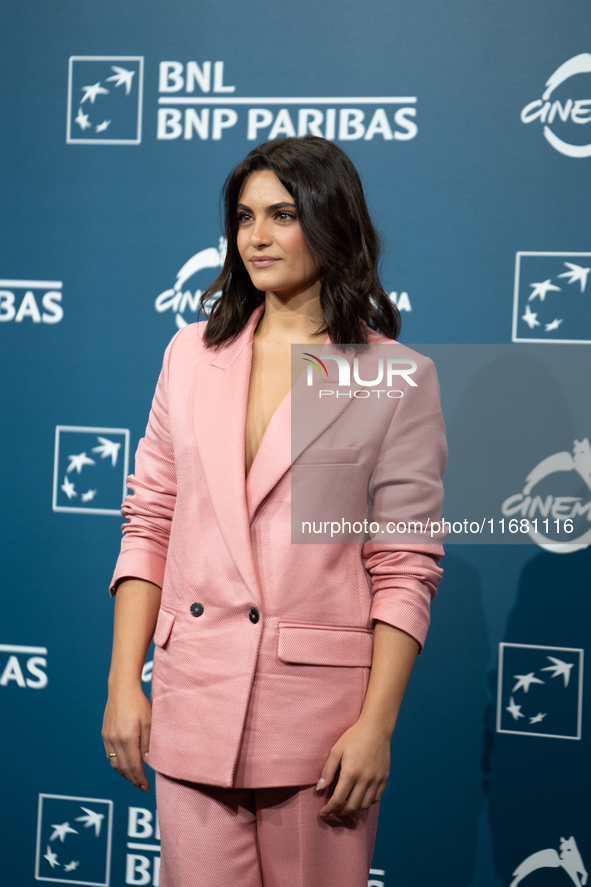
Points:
270	238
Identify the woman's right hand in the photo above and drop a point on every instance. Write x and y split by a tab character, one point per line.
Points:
128	715
126	733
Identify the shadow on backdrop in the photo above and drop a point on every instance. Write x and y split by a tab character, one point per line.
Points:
427	828
521	409
539	787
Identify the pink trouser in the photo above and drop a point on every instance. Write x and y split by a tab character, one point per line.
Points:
250	837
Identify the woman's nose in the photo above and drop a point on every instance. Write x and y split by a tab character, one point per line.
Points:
259	235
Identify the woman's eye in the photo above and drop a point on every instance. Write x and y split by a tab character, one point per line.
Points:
285	217
243	217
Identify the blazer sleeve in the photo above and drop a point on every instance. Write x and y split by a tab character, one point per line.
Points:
406	485
149	510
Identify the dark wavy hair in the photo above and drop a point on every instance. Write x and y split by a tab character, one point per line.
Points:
338	230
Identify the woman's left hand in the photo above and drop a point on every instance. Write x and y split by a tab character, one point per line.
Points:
363	755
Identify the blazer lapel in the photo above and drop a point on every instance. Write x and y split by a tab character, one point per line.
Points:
220	402
219	418
273	458
299	420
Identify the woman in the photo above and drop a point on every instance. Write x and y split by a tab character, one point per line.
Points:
269	737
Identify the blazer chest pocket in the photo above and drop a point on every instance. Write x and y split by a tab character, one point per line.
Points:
307	644
332	456
163	627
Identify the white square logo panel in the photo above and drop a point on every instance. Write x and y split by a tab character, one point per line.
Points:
74	840
105	100
552	298
540	691
90	469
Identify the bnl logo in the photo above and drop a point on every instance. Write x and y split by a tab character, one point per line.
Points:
540	691
142	868
551	298
45	307
23	667
90	469
105	100
74	840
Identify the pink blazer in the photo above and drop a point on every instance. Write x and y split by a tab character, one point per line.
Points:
263	647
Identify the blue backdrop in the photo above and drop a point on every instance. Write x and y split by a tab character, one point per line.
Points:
468	121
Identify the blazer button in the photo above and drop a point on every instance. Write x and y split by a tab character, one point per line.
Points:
196	609
254	615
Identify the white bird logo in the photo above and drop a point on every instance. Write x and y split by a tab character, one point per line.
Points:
60	831
530	317
554	324
51	857
72	866
559	668
107	448
537	719
91	819
122	77
542	289
78	462
68	488
88	496
82	120
514	710
525	681
91	92
101	127
576	272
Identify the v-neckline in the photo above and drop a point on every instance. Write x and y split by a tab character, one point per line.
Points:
271	421
277	410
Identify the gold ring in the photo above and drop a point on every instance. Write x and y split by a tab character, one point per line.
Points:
112	754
